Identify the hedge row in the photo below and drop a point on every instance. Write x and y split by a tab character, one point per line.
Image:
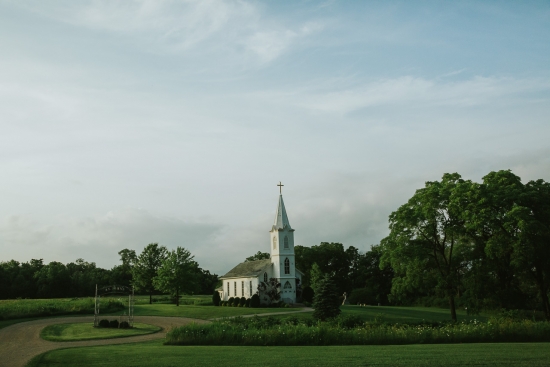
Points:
334	333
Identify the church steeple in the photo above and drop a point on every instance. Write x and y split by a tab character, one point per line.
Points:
282	251
281	218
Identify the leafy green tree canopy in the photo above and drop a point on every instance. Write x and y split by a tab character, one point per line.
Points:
427	239
146	267
177	273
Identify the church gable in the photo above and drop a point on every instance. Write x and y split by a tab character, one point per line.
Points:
246	278
248	269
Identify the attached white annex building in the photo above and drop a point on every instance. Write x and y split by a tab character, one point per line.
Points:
243	279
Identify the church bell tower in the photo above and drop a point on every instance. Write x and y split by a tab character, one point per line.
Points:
282	251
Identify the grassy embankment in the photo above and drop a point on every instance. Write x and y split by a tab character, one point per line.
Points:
85	331
154	354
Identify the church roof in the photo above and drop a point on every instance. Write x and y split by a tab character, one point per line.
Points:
248	269
281	219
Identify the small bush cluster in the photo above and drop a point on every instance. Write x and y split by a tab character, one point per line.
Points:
113	324
349	330
254	302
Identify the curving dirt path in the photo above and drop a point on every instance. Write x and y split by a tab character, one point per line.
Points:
19	343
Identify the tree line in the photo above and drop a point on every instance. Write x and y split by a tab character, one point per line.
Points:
477	245
454	243
350	270
154	270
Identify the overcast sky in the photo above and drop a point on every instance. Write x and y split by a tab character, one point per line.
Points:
124	123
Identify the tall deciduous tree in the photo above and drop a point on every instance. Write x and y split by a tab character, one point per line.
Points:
177	274
426	235
122	274
331	258
146	267
53	280
514	221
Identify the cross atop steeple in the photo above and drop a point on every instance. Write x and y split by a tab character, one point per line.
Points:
280	187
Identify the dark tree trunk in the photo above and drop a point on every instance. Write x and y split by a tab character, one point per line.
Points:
151	298
177	298
453	307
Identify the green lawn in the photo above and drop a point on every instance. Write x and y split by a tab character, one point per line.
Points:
407	314
155	354
200	312
185	299
397	314
86	331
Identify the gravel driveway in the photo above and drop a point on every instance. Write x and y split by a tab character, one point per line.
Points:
19	343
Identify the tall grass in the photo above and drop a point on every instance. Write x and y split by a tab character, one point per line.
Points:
22	308
252	333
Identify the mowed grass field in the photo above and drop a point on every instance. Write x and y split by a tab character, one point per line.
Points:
86	331
200	312
154	354
392	314
199	307
59	307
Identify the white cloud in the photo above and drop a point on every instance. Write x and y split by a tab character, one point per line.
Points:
346	95
269	45
218	26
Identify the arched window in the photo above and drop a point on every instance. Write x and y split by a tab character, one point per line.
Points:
274	243
265	277
286	242
287	266
287	285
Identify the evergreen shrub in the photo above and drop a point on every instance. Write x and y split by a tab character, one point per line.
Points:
247	302
216	298
255	301
326	301
104	323
124	325
242	301
113	324
230	301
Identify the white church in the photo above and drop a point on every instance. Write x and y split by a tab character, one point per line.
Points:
243	279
